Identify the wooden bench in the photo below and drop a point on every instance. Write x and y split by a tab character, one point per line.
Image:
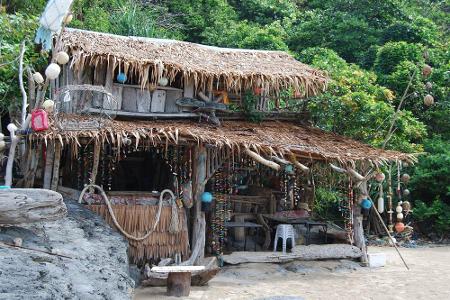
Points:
179	279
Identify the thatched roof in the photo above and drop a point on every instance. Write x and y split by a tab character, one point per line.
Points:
236	69
276	138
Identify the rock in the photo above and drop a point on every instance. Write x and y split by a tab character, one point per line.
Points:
98	268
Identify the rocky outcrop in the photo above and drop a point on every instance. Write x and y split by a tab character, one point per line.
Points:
97	269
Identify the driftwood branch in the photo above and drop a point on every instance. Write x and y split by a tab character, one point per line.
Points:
19	206
258	158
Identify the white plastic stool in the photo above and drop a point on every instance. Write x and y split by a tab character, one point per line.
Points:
284	231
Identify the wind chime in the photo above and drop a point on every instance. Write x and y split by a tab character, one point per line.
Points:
346	209
222	209
400	225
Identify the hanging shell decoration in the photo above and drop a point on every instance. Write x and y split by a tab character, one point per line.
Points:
38	78
380	177
428	100
405	178
399	216
398	209
426	70
428	85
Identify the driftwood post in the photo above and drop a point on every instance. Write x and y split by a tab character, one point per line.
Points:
179	284
48	169
55	176
199	226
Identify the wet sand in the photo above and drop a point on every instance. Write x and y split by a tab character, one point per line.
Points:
428	278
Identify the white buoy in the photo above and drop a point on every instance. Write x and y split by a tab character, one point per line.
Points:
163	81
37	77
62	58
380	205
52	71
48	105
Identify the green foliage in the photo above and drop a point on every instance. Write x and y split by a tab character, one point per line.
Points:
393	53
248	107
326	204
265	11
434	217
343	32
125	17
354	101
419	30
14	28
430	177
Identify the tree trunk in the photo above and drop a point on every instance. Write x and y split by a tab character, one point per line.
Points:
179	284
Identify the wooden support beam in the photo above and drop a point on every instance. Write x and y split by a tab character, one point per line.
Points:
55	176
96	160
48	169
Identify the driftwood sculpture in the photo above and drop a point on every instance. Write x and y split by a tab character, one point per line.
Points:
19	206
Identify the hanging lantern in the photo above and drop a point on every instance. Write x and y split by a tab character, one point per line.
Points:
62	58
121	77
48	105
405	178
163	81
366	203
426	70
206	197
406	192
39	120
380	203
399	227
37	77
52	71
399	209
400	216
380	177
428	100
51	20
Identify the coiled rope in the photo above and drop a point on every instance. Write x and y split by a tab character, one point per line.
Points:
174	222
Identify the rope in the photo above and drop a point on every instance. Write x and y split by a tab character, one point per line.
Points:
174	220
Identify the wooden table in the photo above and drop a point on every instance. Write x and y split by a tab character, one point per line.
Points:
245	225
179	279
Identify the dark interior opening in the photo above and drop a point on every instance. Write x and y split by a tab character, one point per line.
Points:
142	171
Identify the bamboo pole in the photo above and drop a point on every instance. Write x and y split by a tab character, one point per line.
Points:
390	236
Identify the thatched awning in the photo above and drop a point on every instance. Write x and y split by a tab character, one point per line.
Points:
237	69
276	138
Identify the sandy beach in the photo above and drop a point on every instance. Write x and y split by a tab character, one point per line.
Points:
428	278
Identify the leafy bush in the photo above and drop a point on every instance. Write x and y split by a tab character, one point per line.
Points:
433	218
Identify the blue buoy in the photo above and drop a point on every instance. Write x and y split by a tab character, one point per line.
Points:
206	197
289	169
366	203
121	77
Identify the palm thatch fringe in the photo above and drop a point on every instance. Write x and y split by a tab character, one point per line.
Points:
270	138
137	219
147	60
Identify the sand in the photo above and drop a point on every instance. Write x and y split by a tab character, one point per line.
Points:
428	278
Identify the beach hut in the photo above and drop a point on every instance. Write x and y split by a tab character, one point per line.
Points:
159	130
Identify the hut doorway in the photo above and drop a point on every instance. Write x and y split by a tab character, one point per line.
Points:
144	170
